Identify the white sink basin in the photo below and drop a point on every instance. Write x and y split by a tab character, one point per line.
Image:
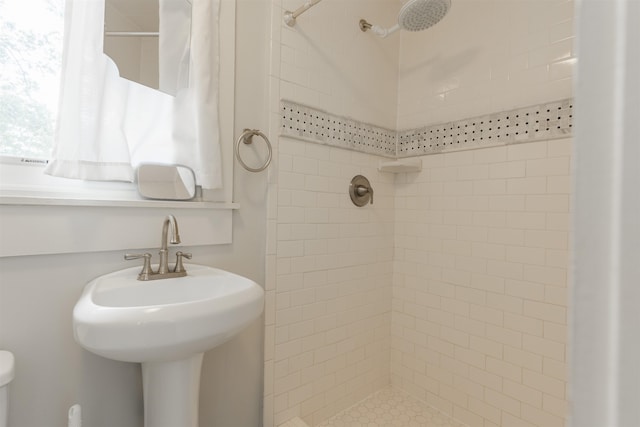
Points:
122	318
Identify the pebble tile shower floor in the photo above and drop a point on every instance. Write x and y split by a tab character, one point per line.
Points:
391	408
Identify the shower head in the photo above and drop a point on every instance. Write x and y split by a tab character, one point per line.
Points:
415	15
418	15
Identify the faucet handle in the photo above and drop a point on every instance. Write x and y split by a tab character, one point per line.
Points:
361	190
179	266
146	266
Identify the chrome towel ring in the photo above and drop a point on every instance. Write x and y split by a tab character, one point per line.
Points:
247	137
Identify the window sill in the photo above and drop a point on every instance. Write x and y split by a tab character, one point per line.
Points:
48	199
27	185
42	215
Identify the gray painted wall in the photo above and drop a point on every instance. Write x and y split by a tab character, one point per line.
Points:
37	294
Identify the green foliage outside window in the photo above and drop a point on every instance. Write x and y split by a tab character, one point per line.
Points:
30	63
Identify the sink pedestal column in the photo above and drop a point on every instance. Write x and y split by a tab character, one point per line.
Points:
171	392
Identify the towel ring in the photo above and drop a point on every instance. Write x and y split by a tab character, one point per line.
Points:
247	137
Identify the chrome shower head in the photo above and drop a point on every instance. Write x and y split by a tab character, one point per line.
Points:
415	15
418	15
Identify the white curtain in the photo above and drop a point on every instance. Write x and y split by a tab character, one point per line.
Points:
605	346
173	45
108	125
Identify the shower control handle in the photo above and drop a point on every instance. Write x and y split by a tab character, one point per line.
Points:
360	191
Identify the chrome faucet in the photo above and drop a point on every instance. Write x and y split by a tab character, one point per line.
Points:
170	224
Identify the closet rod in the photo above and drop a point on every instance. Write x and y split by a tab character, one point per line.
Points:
131	34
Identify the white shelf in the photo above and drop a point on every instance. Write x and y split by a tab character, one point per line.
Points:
400	165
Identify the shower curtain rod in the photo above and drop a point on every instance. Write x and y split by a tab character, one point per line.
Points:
290	17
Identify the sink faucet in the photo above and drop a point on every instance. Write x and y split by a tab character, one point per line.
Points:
170	224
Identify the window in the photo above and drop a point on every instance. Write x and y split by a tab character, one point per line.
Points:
34	204
31	42
31	34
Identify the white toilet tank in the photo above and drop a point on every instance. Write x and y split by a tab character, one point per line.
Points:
7	371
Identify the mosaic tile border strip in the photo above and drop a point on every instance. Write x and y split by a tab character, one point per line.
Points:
539	122
300	121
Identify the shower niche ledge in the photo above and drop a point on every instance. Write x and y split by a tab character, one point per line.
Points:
400	165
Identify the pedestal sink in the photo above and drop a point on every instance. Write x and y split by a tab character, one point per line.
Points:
166	325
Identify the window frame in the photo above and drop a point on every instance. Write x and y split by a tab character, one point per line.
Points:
40	214
23	177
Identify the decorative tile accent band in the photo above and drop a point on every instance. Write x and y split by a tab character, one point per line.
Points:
314	125
545	121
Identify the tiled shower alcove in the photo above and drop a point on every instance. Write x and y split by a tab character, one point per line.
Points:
479	245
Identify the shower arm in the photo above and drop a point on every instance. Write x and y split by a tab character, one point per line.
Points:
377	30
290	17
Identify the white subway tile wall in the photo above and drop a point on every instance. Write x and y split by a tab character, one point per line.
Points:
460	270
326	62
486	56
332	300
480	284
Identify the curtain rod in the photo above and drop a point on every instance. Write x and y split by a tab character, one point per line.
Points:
131	34
290	17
